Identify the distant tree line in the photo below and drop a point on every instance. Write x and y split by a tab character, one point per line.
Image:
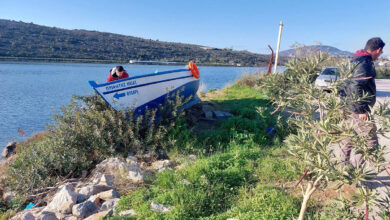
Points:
28	40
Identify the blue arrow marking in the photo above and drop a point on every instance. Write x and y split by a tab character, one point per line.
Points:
118	95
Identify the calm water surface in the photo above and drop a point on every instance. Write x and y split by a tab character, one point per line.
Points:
30	93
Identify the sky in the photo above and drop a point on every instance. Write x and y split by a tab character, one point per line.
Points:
240	25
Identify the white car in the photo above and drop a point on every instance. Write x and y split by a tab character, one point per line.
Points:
328	76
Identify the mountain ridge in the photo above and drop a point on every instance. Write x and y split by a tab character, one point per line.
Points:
31	41
307	50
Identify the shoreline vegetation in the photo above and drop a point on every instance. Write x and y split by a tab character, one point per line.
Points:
189	166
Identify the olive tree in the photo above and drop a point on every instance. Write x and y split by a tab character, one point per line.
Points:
321	122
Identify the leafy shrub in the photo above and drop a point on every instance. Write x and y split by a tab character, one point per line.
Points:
249	80
44	164
383	73
96	129
86	132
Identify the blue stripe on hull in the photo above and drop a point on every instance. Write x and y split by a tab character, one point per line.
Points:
190	89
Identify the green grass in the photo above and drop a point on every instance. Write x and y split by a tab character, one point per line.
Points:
251	119
237	97
213	185
238	171
262	202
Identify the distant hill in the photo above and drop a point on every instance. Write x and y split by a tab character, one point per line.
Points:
20	40
315	48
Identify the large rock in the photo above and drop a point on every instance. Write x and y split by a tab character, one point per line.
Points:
81	198
47	216
96	200
161	165
108	180
110	204
100	215
70	217
100	198
107	195
63	200
115	166
24	216
92	189
9	150
60	215
129	212
133	172
159	208
85	209
85	192
27	214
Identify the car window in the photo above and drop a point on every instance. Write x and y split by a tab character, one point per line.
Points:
329	71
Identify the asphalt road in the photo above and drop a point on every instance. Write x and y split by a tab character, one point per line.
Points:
382	183
383	89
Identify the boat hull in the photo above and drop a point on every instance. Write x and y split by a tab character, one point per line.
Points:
149	91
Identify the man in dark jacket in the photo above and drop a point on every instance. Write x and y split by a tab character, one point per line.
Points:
361	84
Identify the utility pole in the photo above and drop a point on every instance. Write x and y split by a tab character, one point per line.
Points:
278	46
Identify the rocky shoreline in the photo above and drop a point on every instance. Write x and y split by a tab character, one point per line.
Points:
96	194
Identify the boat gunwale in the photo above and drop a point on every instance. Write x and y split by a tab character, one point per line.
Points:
95	85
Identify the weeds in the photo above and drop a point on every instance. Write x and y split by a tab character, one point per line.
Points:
248	80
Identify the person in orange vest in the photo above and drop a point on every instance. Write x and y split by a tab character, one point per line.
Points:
117	73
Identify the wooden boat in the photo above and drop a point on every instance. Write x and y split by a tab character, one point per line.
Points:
151	90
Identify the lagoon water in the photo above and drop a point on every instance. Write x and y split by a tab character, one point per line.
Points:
30	93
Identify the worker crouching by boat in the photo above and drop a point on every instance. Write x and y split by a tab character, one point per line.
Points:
117	73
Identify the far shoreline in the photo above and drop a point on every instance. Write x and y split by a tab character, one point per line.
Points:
89	61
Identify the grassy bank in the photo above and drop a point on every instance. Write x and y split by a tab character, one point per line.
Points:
241	171
242	168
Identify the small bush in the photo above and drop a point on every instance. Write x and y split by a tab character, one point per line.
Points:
86	132
249	80
44	164
383	73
